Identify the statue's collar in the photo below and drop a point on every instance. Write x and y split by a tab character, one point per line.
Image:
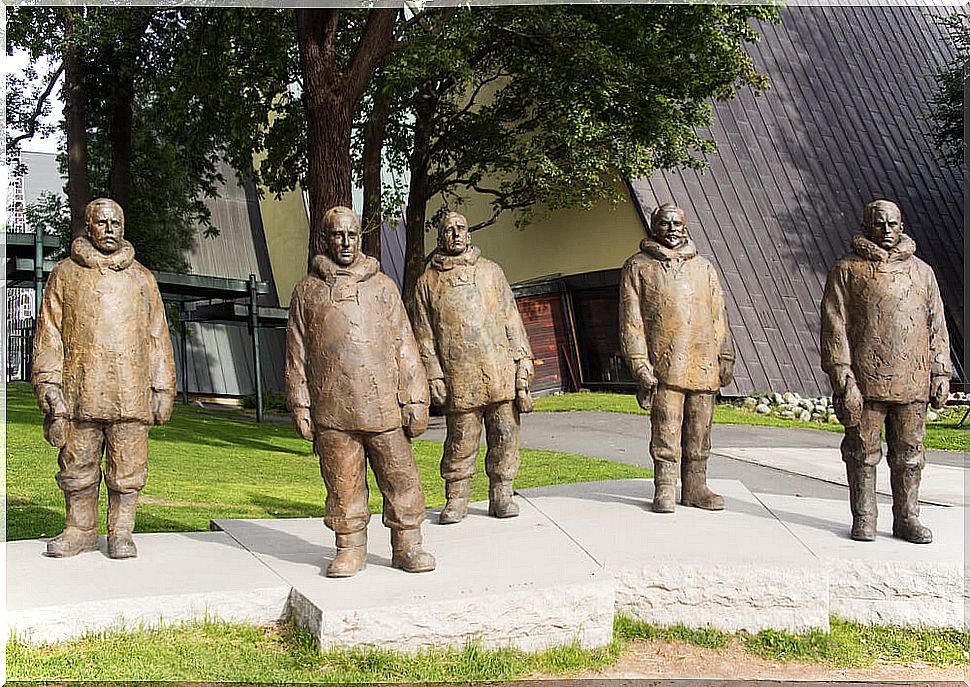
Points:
865	248
361	269
442	261
85	254
661	252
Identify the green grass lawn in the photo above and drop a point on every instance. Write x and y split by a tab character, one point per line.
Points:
942	434
204	466
221	652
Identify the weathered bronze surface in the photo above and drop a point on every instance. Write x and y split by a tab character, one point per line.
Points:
479	363
675	337
358	391
886	351
103	373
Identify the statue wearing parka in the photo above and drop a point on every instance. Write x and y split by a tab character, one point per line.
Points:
672	317
352	360
469	330
102	336
472	340
674	332
883	323
350	353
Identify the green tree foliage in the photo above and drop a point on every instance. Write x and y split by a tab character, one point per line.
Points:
192	82
546	107
947	106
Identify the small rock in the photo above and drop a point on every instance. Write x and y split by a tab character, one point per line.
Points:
787	413
805	416
931	416
777	398
750	402
833	419
763	401
763	408
789	397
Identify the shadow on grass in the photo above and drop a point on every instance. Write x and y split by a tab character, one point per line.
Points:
29	520
284	508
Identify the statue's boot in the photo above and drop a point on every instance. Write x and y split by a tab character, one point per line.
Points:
862	500
81	527
664	486
694	491
500	501
456	506
906	524
351	555
408	555
121	523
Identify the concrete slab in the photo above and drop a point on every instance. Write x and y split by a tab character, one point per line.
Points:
941	484
887	581
176	577
518	582
735	569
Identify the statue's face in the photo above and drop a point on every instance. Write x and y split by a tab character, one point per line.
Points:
885	227
343	240
454	235
670	229
106	228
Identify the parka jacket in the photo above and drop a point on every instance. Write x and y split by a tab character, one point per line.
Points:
672	317
468	329
102	336
883	323
350	353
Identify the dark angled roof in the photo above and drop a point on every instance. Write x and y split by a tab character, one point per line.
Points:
845	122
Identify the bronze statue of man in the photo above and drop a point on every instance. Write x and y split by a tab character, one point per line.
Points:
675	337
358	391
479	363
886	351
103	373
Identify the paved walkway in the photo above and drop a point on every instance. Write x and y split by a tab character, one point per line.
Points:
771	460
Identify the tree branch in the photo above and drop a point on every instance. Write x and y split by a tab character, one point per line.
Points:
375	44
34	117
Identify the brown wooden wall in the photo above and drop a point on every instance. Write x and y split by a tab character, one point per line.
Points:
545	323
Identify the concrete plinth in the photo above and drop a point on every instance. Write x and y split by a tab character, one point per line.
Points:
737	569
518	582
888	581
176	577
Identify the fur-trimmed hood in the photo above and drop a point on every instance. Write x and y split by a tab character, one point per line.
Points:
360	270
659	251
865	248
85	254
443	262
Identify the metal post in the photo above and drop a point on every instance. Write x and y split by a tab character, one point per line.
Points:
38	269
254	330
184	351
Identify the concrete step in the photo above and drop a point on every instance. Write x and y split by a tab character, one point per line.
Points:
554	575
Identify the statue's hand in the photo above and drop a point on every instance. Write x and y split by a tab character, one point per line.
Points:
52	401
848	405
439	392
303	423
525	370
726	371
56	429
162	403
414	419
646	385
939	391
645	397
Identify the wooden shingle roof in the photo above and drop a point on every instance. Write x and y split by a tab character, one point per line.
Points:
845	122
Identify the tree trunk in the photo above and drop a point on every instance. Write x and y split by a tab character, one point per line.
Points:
119	176
78	187
373	216
418	196
331	95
